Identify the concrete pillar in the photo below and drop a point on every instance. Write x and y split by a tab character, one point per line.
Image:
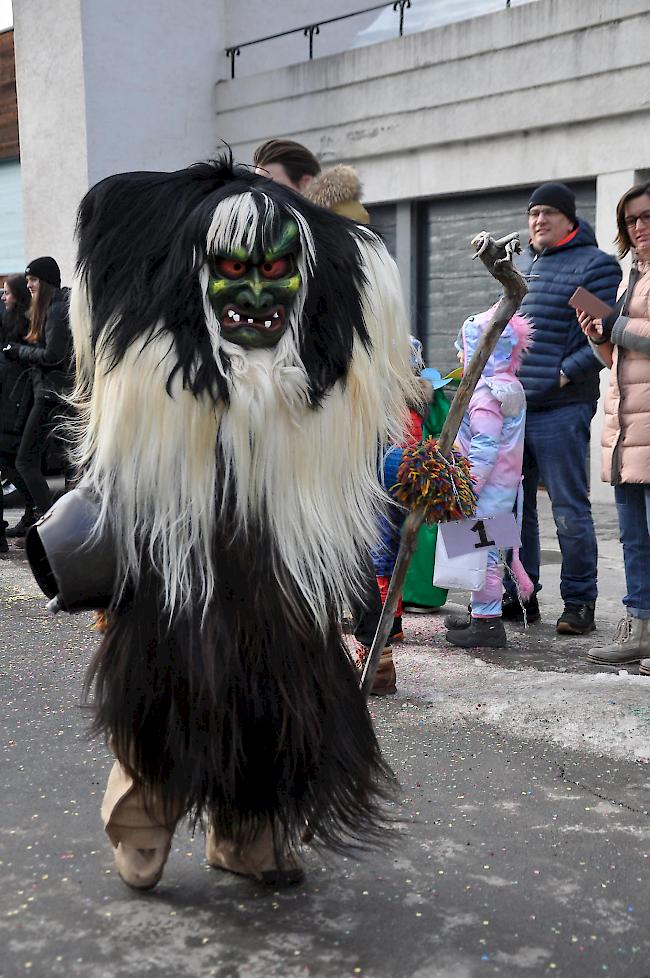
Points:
104	88
52	123
610	187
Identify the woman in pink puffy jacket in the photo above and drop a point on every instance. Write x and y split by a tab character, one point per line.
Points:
622	343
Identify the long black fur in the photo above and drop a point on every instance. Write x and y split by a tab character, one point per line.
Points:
244	716
142	242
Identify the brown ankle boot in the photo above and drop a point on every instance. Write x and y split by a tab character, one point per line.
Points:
384	683
257	859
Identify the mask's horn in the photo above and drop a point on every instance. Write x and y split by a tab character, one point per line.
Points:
74	567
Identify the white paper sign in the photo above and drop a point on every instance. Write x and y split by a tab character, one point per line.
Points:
480	533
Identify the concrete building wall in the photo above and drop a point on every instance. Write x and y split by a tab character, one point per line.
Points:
106	87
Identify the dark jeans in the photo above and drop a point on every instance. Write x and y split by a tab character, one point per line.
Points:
555	452
8	468
633	505
30	454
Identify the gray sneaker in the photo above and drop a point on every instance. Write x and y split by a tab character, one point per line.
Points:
631	643
644	667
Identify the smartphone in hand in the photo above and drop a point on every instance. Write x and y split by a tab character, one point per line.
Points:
583	299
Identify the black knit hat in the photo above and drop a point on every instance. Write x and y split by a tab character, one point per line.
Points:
46	269
555	195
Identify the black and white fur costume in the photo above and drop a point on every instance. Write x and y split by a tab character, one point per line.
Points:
241	486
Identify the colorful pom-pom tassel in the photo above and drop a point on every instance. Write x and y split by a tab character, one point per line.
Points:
442	487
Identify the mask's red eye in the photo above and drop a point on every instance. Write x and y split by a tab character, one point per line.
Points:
231	267
274	269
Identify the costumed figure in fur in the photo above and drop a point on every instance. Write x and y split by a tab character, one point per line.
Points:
242	357
491	437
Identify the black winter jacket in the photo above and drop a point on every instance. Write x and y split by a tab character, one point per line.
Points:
16	399
51	358
558	341
16	394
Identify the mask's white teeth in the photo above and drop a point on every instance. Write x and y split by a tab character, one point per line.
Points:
235	316
250	322
275	315
267	323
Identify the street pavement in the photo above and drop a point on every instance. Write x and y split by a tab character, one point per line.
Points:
521	845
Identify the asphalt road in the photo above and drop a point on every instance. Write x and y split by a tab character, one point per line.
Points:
522	846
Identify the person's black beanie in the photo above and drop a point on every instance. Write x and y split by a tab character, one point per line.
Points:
46	269
555	195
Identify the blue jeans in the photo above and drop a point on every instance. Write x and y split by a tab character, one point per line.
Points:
633	505
555	452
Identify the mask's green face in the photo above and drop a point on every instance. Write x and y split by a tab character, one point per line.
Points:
251	293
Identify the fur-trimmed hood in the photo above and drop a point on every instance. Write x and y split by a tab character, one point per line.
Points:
339	190
512	346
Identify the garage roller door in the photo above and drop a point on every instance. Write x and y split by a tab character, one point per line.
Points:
383	218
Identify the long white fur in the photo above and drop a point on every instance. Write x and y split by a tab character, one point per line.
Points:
309	475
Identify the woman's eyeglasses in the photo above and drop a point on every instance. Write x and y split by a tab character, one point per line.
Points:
631	219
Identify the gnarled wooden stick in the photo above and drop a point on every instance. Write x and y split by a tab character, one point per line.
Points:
497	258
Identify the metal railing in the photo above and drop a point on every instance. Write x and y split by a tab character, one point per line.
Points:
311	30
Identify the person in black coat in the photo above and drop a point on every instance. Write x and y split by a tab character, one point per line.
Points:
16	299
15	385
46	353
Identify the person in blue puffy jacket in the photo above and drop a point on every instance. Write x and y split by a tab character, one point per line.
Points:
560	378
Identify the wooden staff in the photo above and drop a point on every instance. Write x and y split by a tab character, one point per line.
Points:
497	258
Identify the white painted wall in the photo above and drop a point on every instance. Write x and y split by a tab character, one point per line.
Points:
108	87
52	124
149	71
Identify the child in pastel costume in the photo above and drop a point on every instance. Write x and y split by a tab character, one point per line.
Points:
491	436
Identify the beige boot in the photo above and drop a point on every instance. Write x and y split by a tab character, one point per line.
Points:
141	835
631	643
256	858
140	868
644	667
